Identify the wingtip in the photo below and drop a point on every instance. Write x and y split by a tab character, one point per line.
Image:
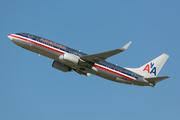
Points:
127	45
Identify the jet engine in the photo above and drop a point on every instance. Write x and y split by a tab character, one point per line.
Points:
69	58
60	66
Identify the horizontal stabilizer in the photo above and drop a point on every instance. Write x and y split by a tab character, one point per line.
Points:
156	79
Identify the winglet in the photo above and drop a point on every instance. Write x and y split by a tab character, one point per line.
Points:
127	45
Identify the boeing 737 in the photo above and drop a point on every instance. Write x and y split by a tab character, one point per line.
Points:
67	59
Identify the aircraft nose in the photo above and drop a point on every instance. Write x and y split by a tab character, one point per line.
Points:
10	37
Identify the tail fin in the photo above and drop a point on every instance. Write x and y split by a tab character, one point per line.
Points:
152	68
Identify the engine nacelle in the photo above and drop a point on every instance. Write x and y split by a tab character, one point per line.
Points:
69	58
60	66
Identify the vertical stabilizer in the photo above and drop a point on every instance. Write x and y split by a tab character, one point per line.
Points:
152	68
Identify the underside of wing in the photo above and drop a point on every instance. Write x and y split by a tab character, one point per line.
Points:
104	55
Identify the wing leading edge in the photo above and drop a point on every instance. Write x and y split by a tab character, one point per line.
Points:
104	55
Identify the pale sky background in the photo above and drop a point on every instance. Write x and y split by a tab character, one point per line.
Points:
30	89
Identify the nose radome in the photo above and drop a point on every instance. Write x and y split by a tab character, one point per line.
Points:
10	37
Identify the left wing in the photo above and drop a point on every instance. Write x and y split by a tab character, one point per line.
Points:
104	55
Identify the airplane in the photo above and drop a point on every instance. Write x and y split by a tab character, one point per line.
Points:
67	59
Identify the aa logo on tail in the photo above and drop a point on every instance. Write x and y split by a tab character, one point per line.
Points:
150	69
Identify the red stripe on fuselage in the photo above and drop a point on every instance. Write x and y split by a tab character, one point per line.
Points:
113	72
40	44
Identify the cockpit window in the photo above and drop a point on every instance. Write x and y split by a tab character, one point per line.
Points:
29	36
19	33
22	34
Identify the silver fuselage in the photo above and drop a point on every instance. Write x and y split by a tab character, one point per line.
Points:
54	50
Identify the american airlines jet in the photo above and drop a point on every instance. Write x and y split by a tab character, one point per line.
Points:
67	60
